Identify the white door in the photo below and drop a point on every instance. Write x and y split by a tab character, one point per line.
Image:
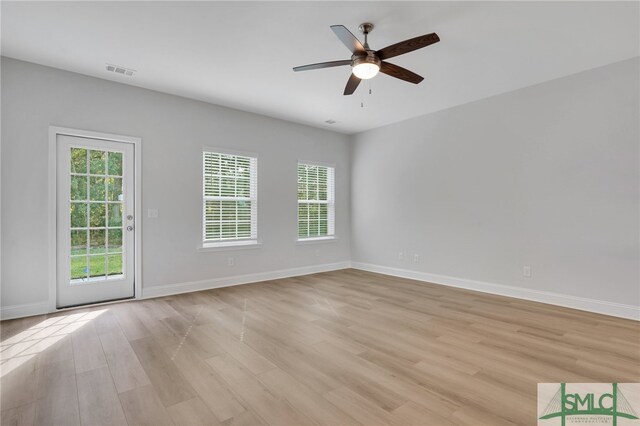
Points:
95	211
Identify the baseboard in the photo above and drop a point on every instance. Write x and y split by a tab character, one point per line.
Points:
26	310
591	305
187	287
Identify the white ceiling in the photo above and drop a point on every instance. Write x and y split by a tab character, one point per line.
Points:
240	54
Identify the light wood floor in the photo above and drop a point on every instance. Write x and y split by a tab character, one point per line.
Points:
339	348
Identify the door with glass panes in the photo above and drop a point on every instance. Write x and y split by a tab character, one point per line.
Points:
95	227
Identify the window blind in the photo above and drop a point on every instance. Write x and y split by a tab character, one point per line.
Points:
230	197
316	201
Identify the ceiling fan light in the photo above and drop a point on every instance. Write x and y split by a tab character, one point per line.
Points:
366	67
365	71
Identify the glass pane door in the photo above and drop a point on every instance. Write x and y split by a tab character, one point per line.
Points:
95	220
96	215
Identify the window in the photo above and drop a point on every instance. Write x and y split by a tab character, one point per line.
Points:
96	213
316	201
229	204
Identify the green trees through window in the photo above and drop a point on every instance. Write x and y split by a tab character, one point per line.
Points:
95	214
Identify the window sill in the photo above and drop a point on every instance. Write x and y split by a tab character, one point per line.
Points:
229	245
317	240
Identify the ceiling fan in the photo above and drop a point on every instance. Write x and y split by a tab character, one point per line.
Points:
365	62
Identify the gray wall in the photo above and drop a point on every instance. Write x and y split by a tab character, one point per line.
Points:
546	176
173	132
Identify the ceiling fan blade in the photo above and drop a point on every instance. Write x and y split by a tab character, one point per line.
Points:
401	73
352	85
322	65
349	40
407	46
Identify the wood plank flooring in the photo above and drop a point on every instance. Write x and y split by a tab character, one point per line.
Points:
338	348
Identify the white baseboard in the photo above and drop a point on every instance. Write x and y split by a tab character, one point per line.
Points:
26	310
187	287
584	304
574	302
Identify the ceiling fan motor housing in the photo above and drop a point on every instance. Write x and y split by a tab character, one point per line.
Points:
370	58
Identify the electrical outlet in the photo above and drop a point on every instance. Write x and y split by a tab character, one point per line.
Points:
416	258
231	261
400	256
152	213
526	271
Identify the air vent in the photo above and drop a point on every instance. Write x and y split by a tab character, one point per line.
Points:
120	70
330	121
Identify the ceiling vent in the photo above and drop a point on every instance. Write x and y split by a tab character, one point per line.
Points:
120	70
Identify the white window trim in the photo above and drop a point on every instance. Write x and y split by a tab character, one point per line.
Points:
317	240
331	212
228	151
231	243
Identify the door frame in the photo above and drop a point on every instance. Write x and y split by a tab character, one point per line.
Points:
54	131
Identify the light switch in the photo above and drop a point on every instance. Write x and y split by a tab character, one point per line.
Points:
152	213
